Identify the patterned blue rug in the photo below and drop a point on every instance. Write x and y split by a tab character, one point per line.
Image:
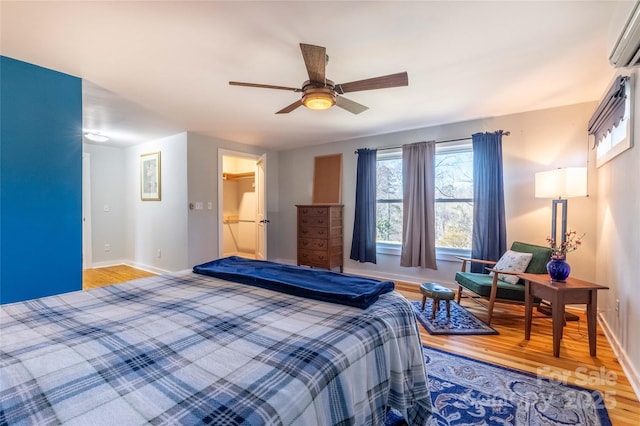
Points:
466	391
460	322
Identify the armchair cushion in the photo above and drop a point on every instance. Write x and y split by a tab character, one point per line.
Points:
512	261
481	285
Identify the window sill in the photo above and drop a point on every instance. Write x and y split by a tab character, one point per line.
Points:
443	254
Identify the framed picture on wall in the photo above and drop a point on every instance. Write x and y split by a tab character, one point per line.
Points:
150	175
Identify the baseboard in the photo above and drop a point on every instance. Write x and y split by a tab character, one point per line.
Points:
395	277
136	265
147	268
107	263
621	355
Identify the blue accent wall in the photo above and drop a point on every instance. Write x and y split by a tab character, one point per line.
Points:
40	181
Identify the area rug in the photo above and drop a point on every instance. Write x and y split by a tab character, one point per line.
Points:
460	322
470	392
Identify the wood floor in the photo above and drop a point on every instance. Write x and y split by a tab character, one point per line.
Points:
98	277
574	366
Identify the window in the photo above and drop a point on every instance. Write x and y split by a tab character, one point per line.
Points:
611	123
454	197
453	204
389	198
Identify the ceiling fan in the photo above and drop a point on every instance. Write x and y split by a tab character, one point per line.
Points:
319	93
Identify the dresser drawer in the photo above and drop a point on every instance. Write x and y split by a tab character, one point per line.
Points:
317	258
313	211
313	232
313	256
313	244
321	221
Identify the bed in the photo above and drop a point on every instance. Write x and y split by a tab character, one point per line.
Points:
188	348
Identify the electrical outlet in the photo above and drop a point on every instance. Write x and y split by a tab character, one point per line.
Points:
617	305
159	254
107	247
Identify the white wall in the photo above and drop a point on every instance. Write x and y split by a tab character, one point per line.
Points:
158	225
539	141
618	249
203	187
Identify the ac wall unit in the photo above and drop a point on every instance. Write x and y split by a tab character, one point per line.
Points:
626	52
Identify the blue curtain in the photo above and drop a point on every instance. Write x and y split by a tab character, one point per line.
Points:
489	239
363	244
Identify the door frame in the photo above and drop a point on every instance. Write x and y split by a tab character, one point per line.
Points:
87	244
230	153
261	208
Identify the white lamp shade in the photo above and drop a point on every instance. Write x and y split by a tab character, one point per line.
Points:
562	183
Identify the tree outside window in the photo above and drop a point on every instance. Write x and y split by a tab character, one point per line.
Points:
453	204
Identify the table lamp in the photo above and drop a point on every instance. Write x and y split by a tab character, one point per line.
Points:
561	184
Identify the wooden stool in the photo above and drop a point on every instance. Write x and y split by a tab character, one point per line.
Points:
437	293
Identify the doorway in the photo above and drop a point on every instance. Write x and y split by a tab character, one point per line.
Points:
241	205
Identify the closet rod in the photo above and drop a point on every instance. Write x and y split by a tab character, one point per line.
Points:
507	133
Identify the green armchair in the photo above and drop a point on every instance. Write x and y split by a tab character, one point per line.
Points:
494	289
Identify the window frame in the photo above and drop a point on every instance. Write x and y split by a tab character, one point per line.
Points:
442	253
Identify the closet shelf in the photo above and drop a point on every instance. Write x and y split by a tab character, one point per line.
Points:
239	175
231	219
236	219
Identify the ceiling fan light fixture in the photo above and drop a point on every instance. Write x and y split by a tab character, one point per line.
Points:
318	99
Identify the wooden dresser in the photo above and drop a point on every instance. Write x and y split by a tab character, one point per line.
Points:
320	236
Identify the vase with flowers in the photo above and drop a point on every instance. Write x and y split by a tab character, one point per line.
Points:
557	267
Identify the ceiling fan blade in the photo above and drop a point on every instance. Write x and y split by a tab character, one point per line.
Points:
350	105
315	59
392	80
290	108
264	86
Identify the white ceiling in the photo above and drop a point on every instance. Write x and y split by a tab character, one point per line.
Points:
157	68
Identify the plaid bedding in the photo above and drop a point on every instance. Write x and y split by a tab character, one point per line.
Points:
192	349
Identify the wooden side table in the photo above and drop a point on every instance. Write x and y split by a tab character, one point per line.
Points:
559	294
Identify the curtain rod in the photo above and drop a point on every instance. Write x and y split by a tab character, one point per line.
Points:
507	133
